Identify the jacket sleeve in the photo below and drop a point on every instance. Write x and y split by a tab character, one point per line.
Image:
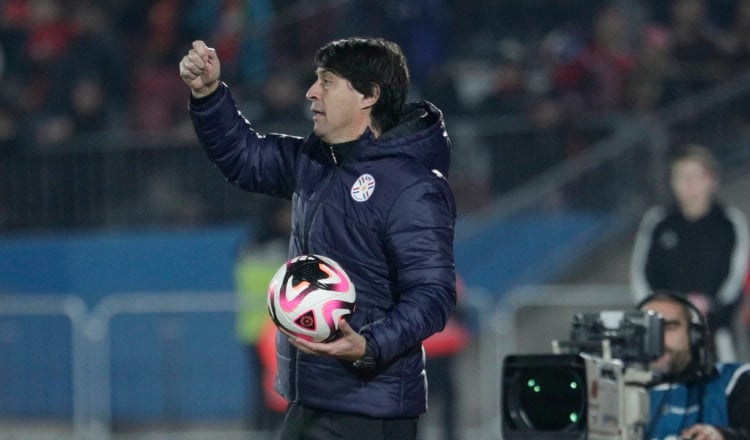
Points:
419	243
252	161
730	291
738	401
729	294
640	283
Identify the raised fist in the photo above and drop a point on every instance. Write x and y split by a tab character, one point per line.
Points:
200	69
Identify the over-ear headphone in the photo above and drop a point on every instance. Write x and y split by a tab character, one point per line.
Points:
698	332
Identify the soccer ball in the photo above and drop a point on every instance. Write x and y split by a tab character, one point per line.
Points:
308	295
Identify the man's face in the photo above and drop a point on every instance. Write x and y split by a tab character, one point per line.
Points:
677	354
340	112
692	184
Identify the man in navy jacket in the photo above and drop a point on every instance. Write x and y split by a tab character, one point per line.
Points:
368	189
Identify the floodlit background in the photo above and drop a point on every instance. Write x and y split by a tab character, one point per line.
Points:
118	237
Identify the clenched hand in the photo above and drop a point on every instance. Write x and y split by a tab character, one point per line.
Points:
200	69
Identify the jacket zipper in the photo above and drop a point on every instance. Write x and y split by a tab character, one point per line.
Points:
333	154
306	236
315	211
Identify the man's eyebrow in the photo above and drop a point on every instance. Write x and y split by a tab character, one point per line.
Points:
329	73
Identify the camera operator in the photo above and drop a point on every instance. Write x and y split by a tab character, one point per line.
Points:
694	398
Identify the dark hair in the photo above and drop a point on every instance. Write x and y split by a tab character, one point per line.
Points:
699	335
699	154
368	63
689	311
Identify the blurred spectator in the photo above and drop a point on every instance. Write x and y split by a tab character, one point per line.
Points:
279	100
738	38
519	155
162	32
744	352
78	67
302	26
423	29
442	350
157	102
240	30
87	88
440	86
79	112
648	87
508	93
259	256
243	38
49	34
9	137
696	47
596	79
9	128
698	246
9	118
275	405
533	123
200	18
14	21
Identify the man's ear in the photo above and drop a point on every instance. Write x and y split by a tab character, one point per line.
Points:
369	101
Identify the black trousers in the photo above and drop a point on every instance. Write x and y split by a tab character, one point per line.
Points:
440	372
303	423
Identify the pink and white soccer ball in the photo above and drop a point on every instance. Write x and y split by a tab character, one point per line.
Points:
308	296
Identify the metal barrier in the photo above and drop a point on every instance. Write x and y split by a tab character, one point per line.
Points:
91	342
73	309
99	332
95	375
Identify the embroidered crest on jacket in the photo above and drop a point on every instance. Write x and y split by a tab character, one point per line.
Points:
363	188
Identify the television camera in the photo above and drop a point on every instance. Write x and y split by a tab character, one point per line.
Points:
592	386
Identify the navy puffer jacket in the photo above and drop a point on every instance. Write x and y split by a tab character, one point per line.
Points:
395	240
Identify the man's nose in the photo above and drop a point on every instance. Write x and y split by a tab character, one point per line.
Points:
312	93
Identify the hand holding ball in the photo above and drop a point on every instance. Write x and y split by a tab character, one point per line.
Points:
308	296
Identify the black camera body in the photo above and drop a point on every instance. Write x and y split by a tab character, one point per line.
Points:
632	336
595	390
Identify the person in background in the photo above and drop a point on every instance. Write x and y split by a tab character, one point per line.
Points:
698	49
369	189
744	338
693	397
698	246
442	350
259	256
275	404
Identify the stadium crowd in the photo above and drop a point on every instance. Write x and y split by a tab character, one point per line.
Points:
71	70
